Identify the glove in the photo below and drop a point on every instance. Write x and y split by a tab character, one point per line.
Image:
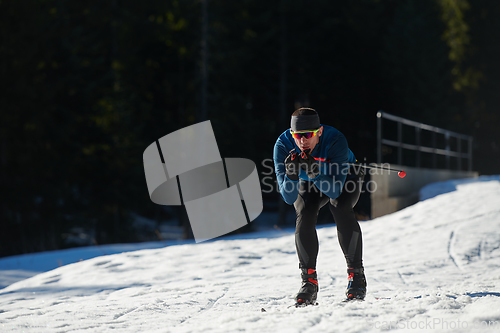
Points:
292	166
309	164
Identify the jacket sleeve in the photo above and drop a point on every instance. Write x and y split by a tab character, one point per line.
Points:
289	189
333	174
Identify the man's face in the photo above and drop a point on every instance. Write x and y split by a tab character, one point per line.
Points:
304	143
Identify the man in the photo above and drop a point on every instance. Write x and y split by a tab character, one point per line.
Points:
312	168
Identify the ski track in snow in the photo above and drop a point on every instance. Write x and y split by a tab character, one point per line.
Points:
432	266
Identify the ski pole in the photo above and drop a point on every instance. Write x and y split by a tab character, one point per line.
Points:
401	173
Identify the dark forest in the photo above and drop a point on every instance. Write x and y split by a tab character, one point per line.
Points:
86	86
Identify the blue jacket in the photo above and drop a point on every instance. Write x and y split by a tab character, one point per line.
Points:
332	155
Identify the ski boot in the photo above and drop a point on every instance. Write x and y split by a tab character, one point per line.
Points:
309	291
356	289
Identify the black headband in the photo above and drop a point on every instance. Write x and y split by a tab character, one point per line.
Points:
305	122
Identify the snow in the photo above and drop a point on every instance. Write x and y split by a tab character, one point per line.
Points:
16	268
434	266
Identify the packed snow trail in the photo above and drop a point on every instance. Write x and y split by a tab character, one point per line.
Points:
432	266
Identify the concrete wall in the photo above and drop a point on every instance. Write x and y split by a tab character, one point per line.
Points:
393	193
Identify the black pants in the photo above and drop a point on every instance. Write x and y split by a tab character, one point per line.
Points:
307	206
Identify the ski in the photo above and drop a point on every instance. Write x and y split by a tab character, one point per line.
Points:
296	305
347	300
303	304
350	298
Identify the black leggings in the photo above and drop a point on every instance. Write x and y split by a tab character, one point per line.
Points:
309	201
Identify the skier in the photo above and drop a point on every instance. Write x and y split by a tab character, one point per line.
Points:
311	165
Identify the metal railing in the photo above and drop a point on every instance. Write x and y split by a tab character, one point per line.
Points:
447	152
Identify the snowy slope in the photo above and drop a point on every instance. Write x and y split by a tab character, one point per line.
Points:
432	266
20	267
